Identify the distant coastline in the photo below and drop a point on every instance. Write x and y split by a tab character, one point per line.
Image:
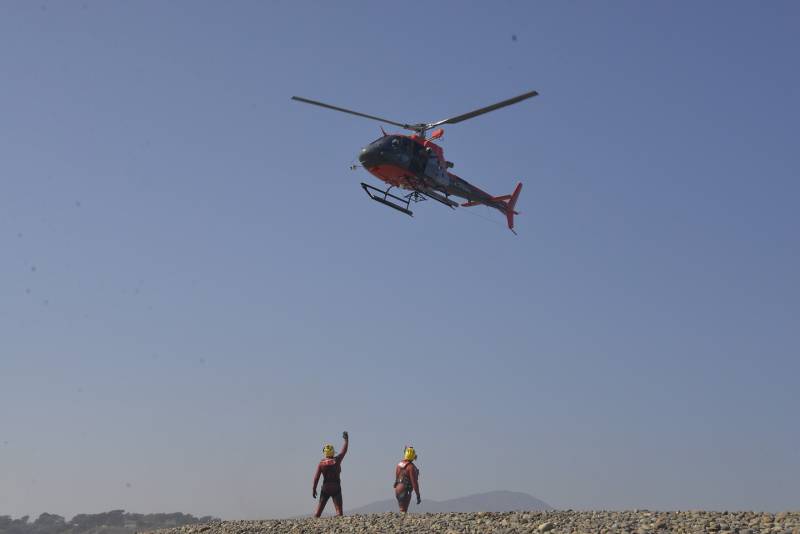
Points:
113	522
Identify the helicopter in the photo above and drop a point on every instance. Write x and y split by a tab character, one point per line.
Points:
416	164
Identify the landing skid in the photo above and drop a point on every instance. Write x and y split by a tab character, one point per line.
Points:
403	203
383	197
438	197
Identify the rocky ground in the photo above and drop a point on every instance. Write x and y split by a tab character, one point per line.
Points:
554	522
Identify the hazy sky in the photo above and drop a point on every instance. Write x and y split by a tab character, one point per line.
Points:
195	293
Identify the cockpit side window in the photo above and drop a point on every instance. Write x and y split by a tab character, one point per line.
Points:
378	141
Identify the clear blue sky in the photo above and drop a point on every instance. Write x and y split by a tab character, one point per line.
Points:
195	294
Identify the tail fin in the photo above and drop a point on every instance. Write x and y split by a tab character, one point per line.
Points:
504	203
510	203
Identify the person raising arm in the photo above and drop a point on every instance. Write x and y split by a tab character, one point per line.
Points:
330	468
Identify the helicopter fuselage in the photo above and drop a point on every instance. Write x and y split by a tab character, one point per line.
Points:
415	163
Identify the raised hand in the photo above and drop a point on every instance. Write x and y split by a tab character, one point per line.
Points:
345	435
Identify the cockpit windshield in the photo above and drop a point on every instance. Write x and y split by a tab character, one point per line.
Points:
391	143
397	150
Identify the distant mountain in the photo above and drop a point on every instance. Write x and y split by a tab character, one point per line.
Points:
493	501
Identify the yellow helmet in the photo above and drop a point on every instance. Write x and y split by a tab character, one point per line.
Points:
410	454
327	450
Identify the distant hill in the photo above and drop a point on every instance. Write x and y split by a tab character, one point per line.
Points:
493	501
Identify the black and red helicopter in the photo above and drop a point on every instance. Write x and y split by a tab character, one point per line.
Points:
413	162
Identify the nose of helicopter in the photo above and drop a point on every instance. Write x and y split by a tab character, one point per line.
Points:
370	156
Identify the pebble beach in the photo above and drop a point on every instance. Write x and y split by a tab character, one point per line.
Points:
553	522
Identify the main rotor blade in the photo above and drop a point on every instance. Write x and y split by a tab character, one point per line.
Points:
487	109
351	112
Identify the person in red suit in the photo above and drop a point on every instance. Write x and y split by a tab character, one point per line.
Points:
330	467
406	479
